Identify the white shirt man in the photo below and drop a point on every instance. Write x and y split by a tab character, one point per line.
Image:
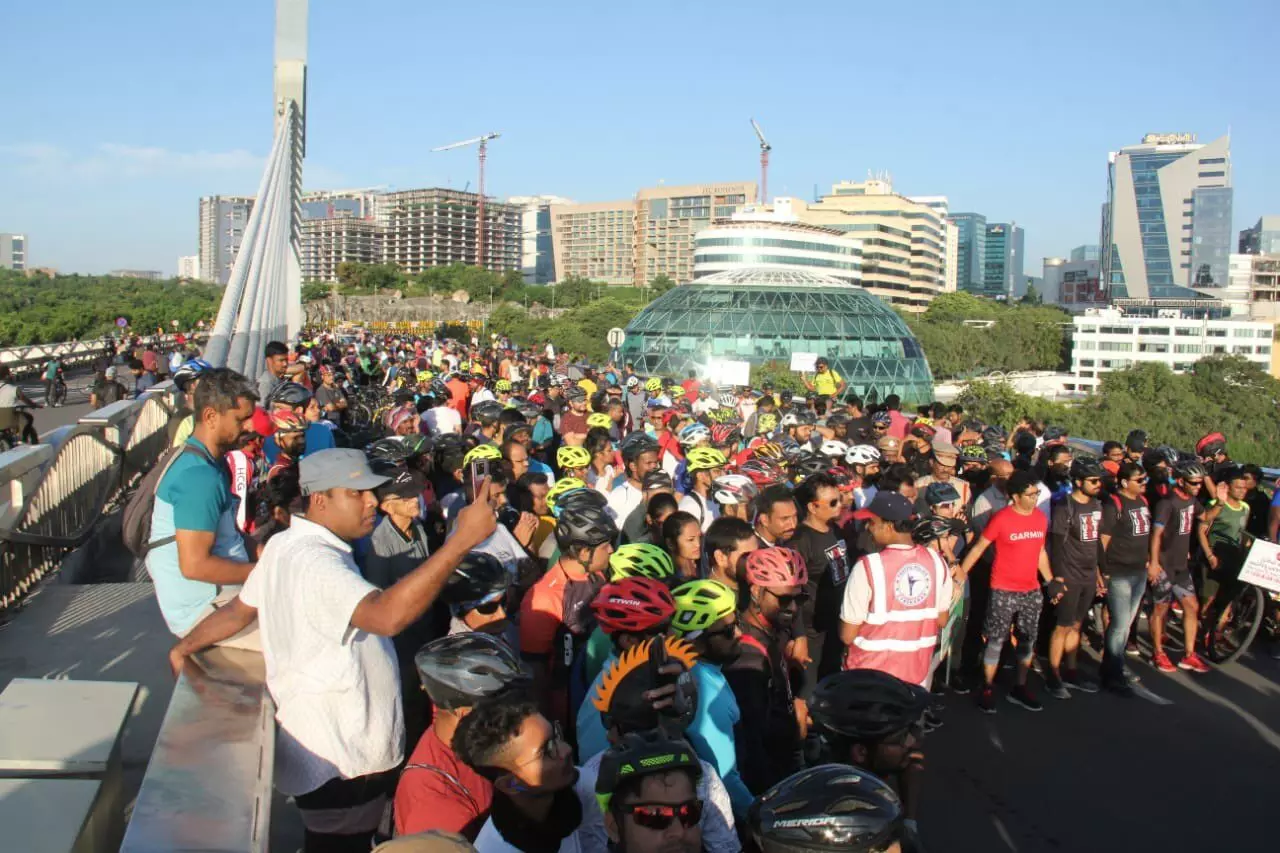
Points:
442	419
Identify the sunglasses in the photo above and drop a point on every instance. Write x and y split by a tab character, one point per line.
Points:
833	503
724	631
786	601
486	608
1196	483
658	816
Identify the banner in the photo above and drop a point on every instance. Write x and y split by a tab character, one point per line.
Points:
804	362
727	373
1262	566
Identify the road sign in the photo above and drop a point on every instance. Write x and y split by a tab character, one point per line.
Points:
615	337
173	323
121	322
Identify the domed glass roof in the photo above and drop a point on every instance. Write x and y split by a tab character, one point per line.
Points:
764	315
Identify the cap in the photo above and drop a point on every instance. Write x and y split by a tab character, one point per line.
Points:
944	450
407	483
657	479
336	467
889	506
889	442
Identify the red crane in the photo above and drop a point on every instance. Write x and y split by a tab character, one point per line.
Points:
483	142
765	148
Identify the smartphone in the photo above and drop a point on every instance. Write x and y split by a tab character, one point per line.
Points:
478	471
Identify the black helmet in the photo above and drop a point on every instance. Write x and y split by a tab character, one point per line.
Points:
866	704
930	529
439	390
389	450
486	413
634	444
575	392
1190	470
620	696
1136	440
288	394
641	754
994	434
584	527
1168	454
832	807
1085	468
1053	433
459	670
581	499
416	444
478	579
809	464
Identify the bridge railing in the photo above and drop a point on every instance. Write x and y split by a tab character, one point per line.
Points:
58	492
25	360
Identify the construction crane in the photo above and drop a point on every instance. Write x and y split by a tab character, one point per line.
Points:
483	142
765	148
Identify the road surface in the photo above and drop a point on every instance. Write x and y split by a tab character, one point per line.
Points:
76	406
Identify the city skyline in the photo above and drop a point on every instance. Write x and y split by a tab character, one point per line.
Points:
107	167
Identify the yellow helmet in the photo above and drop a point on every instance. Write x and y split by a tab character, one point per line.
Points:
569	457
480	453
704	459
599	419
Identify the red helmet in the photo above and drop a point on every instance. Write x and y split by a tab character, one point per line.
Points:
1211	444
763	472
776	566
725	434
633	605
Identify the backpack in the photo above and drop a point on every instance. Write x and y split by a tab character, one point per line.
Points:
136	527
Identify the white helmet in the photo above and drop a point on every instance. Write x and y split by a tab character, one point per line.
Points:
732	489
789	420
729	400
694	434
862	454
834	448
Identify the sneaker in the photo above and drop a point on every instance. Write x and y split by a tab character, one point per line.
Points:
1054	687
1075	681
959	684
987	700
1193	663
1161	661
1132	650
1118	686
1131	677
1022	695
932	722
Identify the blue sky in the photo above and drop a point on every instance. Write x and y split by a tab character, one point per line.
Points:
117	122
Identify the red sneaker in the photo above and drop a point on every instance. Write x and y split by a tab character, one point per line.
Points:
1193	663
1161	661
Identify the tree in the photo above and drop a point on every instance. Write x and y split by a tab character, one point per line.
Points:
661	284
1032	296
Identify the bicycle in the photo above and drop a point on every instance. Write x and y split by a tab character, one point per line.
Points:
1233	622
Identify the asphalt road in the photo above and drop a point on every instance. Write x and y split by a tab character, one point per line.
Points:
76	406
1190	765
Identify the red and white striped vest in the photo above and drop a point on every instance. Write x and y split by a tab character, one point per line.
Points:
901	628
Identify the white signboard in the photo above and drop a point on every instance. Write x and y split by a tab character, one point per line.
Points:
1262	566
722	373
804	362
615	337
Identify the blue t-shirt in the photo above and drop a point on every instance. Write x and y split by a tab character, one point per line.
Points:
542	431
710	733
195	494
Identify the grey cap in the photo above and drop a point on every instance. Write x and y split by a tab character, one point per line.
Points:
336	468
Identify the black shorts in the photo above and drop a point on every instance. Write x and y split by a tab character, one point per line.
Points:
1075	603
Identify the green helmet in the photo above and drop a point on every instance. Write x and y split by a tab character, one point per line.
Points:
640	559
564	484
569	457
699	605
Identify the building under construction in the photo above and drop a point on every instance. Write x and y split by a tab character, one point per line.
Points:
437	227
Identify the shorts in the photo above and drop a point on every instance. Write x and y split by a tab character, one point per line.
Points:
1074	605
1164	590
1022	609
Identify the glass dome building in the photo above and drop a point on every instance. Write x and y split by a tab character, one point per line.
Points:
763	315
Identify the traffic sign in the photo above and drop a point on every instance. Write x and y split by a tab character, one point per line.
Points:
615	337
173	323
121	322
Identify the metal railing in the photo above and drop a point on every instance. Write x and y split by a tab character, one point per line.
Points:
27	359
58	493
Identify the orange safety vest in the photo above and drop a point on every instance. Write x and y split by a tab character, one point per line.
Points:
901	629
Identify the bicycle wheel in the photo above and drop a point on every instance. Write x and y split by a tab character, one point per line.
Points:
1245	611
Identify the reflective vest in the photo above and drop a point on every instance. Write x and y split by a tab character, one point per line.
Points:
901	629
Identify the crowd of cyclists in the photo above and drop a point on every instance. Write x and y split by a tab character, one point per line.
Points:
540	605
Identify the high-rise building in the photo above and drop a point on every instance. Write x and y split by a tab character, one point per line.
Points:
903	241
437	227
1002	273
1080	287
950	239
775	239
1088	252
1166	222
189	267
1254	287
635	241
1051	280
13	252
338	227
222	223
1261	239
537	255
971	251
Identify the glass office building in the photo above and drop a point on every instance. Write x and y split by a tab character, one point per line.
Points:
764	315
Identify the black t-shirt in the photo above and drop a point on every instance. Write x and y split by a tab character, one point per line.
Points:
1177	514
767	738
827	558
1128	522
1074	538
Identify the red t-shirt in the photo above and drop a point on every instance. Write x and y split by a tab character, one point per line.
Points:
691	387
451	796
573	423
1018	540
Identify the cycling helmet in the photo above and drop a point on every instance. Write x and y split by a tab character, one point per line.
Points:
633	606
973	453
1166	453
881	418
487	412
834	448
728	400
575	393
632	446
193	368
994	434
838	419
585	527
479	579
502	386
288	394
776	566
620	696
1085	468
768	450
704	459
459	670
423	376
866	704
921	429
633	382
576	499
930	529
762	472
640	559
733	489
677	392
790	419
808	465
439	390
791	448
1136	440
724	434
599	419
862	454
559	379
941	493
640	754
767	422
482	452
287	420
699	605
560	487
804	417
653	385
569	457
1211	445
832	808
1190	470
694	434
1054	433
388	450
